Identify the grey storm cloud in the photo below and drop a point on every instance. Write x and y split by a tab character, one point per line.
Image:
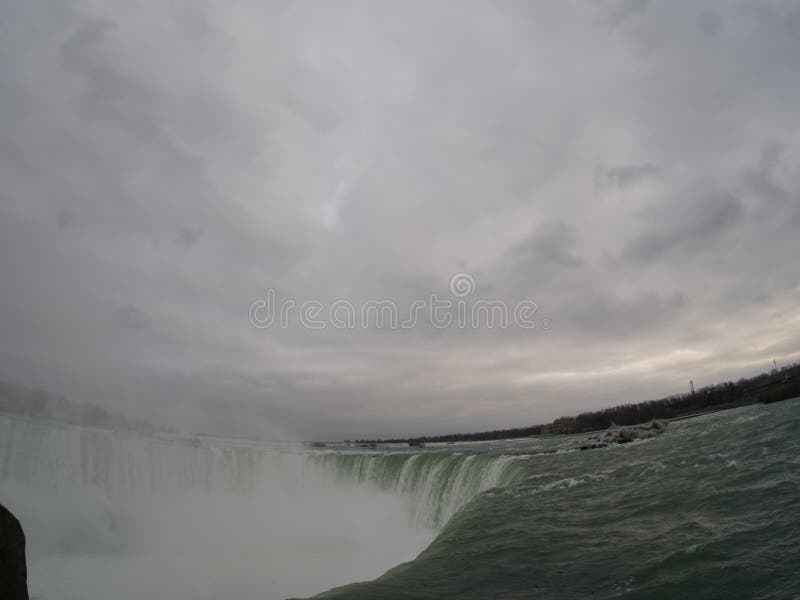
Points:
624	176
705	222
132	317
629	166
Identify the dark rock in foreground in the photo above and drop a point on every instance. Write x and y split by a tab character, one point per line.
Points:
13	570
625	434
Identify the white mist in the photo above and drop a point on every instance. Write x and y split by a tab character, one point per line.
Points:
115	515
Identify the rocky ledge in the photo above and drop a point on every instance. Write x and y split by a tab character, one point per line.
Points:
13	570
625	434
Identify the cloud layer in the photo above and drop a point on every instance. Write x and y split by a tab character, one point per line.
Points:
632	167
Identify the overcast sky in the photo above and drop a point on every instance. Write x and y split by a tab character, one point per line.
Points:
631	167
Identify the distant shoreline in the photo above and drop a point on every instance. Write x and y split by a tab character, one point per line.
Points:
775	386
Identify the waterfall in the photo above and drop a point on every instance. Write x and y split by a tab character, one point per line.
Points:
49	457
191	517
438	482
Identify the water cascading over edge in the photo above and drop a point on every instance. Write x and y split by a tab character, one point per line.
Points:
438	483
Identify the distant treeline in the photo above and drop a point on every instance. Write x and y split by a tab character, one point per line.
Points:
779	384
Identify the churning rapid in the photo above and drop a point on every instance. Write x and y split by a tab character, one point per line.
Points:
706	510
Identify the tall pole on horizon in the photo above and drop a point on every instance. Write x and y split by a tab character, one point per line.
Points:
691	386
